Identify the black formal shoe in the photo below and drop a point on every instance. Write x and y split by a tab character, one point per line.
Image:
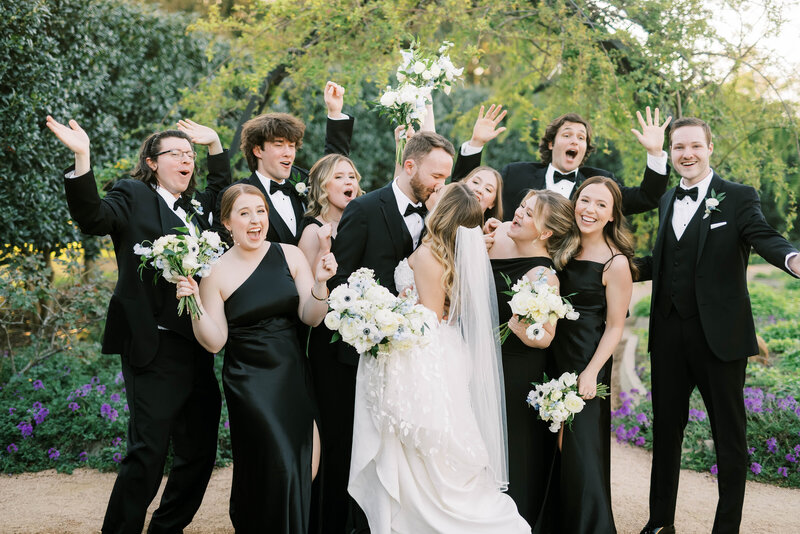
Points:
669	529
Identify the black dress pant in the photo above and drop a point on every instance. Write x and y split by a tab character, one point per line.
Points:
681	359
174	397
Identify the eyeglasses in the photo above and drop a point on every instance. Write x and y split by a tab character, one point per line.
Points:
179	154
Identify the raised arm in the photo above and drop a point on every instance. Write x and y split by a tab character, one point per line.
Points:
645	197
485	129
219	168
75	139
339	128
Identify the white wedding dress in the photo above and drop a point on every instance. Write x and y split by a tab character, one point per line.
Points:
419	462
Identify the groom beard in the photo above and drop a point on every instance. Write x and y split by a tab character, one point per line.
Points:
421	193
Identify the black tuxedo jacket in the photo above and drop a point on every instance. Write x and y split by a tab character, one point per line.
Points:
130	213
338	134
720	272
371	234
520	177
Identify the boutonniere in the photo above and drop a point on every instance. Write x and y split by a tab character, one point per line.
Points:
712	203
300	187
197	206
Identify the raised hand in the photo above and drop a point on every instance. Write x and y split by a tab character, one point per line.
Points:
491	225
75	139
652	135
201	135
326	268
334	99
485	128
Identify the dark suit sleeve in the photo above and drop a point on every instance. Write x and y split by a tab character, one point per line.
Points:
645	196
96	216
464	164
219	177
350	243
756	232
338	134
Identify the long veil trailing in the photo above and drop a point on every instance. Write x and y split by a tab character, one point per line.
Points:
473	308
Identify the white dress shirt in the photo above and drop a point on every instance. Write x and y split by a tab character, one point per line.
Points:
281	202
170	199
414	221
684	209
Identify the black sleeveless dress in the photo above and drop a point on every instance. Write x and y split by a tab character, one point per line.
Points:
270	407
531	445
584	472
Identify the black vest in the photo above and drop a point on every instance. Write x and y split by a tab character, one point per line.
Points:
676	273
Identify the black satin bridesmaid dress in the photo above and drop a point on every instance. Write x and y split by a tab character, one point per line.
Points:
584	468
531	446
269	403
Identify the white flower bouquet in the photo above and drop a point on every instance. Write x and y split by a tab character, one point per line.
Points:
536	302
182	254
420	73
557	400
367	316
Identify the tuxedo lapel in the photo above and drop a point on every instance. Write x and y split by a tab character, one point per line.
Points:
399	235
664	225
705	222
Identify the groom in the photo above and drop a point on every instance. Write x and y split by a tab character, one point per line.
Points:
701	323
377	231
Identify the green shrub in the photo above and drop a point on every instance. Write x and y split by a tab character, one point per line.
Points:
642	308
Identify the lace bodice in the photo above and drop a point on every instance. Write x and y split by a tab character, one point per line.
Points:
404	277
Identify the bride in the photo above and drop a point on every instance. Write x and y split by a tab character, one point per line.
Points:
429	445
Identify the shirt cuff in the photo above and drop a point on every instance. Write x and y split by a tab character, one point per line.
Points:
344	117
789	257
469	150
658	163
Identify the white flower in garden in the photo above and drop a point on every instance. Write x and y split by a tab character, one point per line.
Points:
427	75
401	77
436	70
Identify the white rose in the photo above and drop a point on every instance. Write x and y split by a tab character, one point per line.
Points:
573	403
349	328
333	320
301	188
419	67
712	202
436	70
426	75
212	239
387	321
407	94
555	427
388	99
520	303
568	380
572	315
190	263
170	276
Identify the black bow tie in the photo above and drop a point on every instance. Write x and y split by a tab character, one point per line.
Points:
185	203
570	177
681	193
274	187
421	210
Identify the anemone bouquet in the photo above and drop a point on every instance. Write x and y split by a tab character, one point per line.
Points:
536	302
557	400
368	317
181	254
420	73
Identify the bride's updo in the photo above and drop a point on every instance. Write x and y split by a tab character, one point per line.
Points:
457	206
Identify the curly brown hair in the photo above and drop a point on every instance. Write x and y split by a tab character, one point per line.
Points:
266	128
546	153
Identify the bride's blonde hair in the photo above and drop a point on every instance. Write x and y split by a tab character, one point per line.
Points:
457	206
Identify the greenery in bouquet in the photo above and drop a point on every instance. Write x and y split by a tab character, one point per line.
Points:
181	254
536	302
367	316
558	401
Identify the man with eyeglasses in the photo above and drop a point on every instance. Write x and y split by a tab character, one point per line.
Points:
172	393
270	143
